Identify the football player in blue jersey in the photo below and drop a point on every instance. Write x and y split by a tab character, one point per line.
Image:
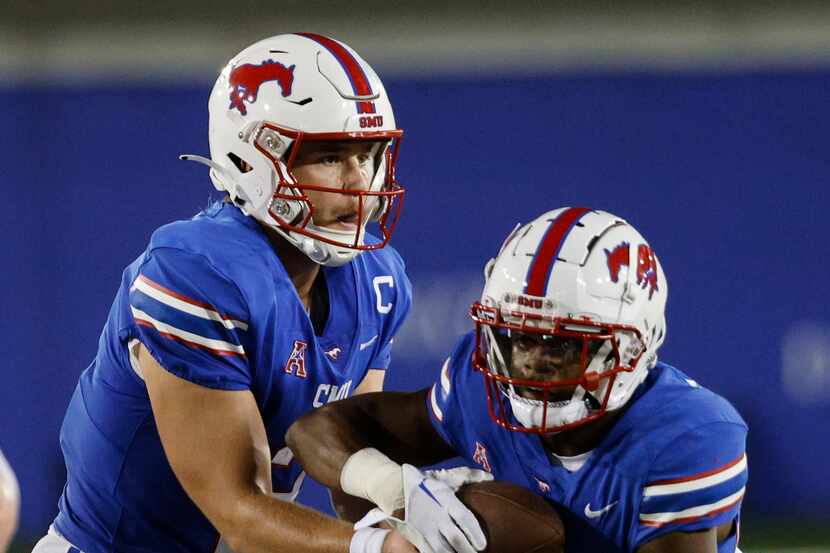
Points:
558	389
232	324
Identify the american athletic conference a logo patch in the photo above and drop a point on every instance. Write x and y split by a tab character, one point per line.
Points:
296	361
480	457
246	79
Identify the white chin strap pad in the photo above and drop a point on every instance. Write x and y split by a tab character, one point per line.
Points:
529	412
318	251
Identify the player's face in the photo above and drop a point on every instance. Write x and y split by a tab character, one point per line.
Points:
549	359
339	166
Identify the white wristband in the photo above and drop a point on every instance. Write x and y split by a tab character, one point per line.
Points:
372	475
368	540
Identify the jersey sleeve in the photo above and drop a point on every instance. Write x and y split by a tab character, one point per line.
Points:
696	482
444	397
396	316
192	319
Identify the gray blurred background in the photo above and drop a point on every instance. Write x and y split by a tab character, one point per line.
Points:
188	39
703	123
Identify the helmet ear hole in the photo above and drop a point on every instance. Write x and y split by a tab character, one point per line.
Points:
239	163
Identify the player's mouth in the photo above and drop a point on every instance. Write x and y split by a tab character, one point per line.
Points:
559	396
347	222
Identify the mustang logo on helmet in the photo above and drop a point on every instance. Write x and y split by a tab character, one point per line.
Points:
246	79
646	265
646	269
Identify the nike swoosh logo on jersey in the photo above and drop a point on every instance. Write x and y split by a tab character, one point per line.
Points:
365	345
596	514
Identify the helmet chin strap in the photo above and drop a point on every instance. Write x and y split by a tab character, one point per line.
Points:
313	250
215	167
201	159
320	252
529	412
222	179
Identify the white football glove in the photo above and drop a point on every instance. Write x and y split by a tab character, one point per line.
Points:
439	517
376	516
368	540
436	521
458	476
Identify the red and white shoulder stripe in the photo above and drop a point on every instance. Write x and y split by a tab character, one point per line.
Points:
697	481
185	304
151	302
698	486
693	513
218	347
445	391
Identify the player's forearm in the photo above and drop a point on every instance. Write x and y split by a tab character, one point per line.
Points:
322	443
392	422
259	523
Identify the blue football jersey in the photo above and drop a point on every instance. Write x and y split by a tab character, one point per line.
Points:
212	303
674	461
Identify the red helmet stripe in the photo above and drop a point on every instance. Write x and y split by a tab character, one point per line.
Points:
542	264
360	83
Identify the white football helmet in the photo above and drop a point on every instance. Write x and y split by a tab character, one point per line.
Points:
573	276
273	96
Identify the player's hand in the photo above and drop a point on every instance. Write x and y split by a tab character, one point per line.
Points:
396	543
433	510
369	539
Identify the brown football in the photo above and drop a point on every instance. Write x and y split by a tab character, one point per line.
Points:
514	519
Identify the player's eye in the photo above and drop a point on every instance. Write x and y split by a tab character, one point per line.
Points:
555	346
570	345
525	342
569	349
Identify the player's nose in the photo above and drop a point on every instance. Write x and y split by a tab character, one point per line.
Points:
354	176
542	362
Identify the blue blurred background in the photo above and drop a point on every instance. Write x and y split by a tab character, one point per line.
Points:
715	150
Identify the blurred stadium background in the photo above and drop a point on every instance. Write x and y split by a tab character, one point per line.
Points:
704	123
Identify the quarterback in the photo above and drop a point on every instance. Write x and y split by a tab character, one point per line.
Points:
557	389
232	324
